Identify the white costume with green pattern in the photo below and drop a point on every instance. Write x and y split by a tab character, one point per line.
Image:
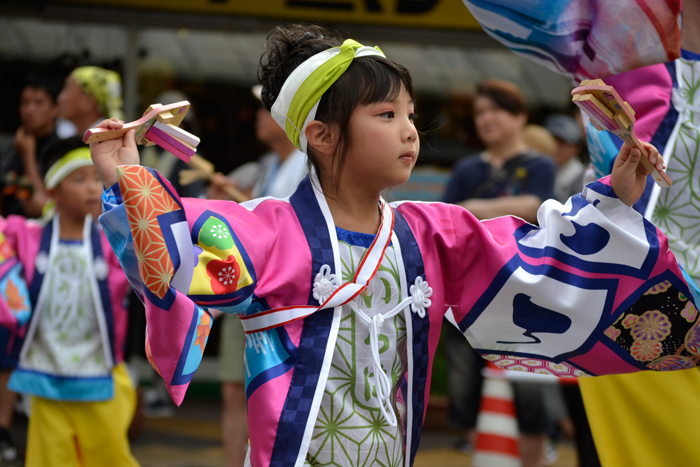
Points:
350	429
677	211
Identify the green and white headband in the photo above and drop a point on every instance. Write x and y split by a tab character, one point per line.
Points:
298	99
73	160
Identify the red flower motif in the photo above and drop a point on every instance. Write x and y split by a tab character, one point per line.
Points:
224	275
644	351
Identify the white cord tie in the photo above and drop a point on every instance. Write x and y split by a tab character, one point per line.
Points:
325	284
418	301
421	293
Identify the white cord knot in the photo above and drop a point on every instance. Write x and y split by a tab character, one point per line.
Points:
325	284
100	268
379	322
41	262
420	292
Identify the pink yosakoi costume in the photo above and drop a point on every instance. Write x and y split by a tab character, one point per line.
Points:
66	299
548	297
15	308
35	245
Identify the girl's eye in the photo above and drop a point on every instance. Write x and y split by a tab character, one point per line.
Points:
388	114
412	116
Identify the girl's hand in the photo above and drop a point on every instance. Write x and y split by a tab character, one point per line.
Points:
110	154
629	177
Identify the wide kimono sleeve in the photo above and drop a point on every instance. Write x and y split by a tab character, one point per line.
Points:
183	257
15	306
593	290
584	39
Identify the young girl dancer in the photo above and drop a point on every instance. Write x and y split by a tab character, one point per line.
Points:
342	295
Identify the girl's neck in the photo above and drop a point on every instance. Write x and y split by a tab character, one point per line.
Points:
71	227
354	208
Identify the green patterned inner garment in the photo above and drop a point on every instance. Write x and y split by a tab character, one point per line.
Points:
350	429
67	340
677	211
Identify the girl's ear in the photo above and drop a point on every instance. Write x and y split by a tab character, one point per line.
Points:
320	137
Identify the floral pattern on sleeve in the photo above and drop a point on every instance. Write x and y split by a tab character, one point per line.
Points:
644	331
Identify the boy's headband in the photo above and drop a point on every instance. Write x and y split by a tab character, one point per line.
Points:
298	99
65	165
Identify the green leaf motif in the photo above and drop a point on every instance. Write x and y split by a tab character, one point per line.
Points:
368	300
214	233
387	290
383	340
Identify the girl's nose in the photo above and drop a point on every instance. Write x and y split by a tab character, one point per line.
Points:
411	132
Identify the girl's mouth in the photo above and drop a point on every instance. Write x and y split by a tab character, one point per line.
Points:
408	156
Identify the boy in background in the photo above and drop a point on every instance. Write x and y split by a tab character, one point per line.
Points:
21	190
71	360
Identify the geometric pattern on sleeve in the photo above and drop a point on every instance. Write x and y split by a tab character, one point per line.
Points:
543	367
145	199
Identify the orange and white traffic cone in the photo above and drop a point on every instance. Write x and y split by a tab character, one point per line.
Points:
496	426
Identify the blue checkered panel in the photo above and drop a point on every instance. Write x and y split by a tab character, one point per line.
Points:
413	265
314	335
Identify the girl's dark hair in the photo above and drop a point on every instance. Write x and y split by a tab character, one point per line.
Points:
59	148
504	94
366	81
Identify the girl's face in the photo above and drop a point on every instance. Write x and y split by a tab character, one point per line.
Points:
494	124
383	144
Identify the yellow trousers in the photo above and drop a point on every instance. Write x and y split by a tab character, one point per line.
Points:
83	434
644	419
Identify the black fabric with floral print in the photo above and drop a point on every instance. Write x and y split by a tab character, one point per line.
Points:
644	330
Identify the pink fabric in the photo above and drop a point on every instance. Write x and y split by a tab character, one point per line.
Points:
118	289
264	410
271	237
174	327
25	237
648	90
449	231
603	360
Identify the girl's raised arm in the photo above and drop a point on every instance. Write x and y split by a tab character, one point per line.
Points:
593	290
110	154
182	257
